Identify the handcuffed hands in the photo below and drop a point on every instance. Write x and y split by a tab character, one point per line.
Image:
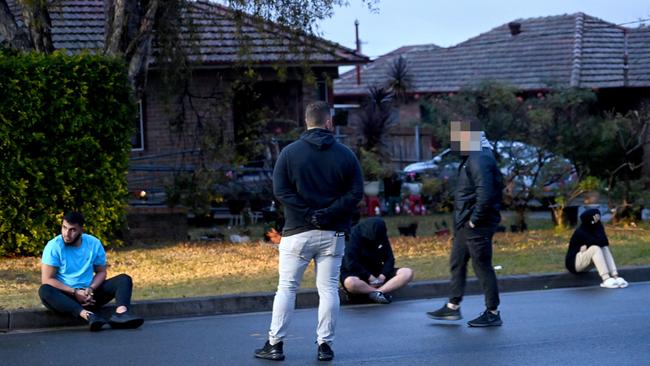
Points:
376	281
84	296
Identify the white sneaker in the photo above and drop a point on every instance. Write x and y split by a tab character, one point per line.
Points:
621	282
609	283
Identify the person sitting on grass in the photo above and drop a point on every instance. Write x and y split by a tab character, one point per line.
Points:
73	277
369	265
589	247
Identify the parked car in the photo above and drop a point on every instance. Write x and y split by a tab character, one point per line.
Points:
429	165
519	163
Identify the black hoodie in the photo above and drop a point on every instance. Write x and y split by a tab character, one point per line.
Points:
588	233
316	173
368	252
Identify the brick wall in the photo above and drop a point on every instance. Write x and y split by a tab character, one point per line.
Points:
151	224
166	151
169	147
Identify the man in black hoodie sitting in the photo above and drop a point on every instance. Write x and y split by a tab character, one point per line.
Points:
319	183
589	247
369	264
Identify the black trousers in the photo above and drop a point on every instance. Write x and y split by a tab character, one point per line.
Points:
119	288
476	244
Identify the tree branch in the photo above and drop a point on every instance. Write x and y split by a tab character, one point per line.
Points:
115	25
37	19
14	35
138	51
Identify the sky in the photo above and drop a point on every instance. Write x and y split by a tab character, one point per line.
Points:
445	23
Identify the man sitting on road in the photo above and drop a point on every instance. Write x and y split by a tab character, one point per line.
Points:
73	277
369	265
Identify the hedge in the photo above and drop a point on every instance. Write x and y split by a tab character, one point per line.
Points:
65	134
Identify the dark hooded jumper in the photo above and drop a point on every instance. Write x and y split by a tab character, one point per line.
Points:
316	173
588	233
368	252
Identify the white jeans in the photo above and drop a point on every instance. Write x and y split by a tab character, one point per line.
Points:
296	251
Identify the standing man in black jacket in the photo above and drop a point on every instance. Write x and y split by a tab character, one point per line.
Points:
476	214
319	183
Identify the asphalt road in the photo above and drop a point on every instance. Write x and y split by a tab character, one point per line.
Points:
583	326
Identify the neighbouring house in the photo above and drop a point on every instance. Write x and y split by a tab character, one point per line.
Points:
534	54
290	70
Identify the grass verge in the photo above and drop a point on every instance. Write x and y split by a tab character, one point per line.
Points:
189	269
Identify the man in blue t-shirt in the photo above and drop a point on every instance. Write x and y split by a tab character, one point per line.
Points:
73	277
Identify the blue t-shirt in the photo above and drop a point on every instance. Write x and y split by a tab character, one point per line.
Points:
75	264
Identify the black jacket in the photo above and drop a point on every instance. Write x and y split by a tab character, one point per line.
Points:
368	252
588	233
478	191
317	174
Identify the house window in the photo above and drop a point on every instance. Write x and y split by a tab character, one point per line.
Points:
322	91
137	140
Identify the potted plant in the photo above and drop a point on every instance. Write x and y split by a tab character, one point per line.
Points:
372	170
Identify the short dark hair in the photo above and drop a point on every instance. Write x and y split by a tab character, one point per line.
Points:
317	113
468	122
74	217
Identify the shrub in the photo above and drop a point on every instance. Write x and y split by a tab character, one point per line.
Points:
65	128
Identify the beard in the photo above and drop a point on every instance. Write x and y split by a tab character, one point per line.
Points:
73	241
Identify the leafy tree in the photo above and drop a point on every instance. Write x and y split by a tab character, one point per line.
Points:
497	105
131	25
567	122
568	193
561	123
631	135
130	28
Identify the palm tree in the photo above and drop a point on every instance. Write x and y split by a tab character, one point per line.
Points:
376	119
399	79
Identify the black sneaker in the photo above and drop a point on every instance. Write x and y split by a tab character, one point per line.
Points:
125	321
388	297
378	297
486	319
270	352
95	322
445	313
325	352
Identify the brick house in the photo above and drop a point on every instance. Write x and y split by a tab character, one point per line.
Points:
532	54
221	44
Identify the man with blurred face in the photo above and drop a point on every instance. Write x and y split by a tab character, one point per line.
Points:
477	202
73	277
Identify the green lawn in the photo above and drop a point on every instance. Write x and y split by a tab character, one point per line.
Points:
200	268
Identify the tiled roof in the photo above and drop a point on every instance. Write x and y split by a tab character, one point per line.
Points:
577	50
266	42
79	25
377	72
639	58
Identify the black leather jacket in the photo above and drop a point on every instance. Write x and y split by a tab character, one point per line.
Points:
478	191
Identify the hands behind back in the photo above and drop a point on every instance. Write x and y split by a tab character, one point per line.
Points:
320	219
